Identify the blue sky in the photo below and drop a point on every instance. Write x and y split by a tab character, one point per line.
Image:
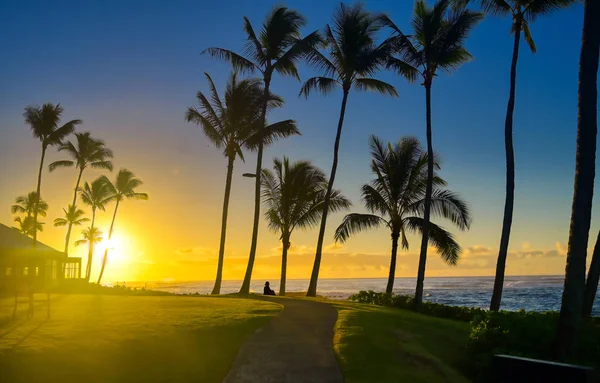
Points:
129	69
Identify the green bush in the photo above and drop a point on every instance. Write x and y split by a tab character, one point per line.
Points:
461	313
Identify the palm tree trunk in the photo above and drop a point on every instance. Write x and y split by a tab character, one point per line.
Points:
585	171
591	286
392	276
427	212
38	190
510	176
217	287
245	289
110	231
88	268
285	240
68	238
314	277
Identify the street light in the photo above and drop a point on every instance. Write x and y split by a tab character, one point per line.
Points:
249	175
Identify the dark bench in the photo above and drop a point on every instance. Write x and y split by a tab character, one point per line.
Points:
514	369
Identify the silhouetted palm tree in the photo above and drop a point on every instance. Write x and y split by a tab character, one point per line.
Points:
294	196
123	188
396	199
87	152
232	124
27	205
91	235
277	49
591	284
585	171
437	43
95	196
522	12
73	216
26	225
354	56
44	123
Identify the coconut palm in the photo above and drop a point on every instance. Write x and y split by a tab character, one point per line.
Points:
26	225
123	188
354	57
436	43
27	204
73	216
44	123
232	124
91	235
95	196
396	199
276	49
86	152
522	12
293	195
585	170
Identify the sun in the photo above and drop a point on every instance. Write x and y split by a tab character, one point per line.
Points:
119	246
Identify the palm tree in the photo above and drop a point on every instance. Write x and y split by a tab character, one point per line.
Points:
95	196
591	284
585	170
87	152
26	226
44	123
91	235
522	12
73	216
354	56
277	49
396	199
27	205
437	43
293	195
231	125
123	188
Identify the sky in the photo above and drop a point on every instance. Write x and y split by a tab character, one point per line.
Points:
130	70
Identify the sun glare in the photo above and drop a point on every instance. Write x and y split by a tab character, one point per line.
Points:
119	247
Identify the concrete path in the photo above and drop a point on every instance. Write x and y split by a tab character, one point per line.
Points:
295	347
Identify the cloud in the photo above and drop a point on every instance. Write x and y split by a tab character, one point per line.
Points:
196	252
476	251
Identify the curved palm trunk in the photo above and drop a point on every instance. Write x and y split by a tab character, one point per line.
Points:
110	231
88	268
427	212
245	289
585	171
591	286
314	278
285	240
510	177
218	279
68	238
39	187
392	276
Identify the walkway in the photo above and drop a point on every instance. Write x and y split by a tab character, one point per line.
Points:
296	346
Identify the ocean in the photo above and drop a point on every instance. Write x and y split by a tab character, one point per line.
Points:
532	293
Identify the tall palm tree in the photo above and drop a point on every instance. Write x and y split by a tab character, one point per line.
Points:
232	124
591	284
44	123
86	152
73	216
277	49
95	196
26	226
27	204
522	12
293	195
354	57
91	235
585	170
396	199
123	188
436	43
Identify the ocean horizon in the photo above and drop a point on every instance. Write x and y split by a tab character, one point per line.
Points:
531	293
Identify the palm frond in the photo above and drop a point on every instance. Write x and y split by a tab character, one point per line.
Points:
239	63
355	223
322	84
374	85
528	37
535	8
441	239
404	69
272	133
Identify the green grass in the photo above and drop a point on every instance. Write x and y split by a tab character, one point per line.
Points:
379	344
99	338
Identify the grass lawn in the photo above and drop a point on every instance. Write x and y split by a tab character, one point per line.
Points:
379	344
100	338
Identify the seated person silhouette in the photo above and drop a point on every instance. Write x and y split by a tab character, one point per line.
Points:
267	290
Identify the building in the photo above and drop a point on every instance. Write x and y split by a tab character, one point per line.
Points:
23	266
